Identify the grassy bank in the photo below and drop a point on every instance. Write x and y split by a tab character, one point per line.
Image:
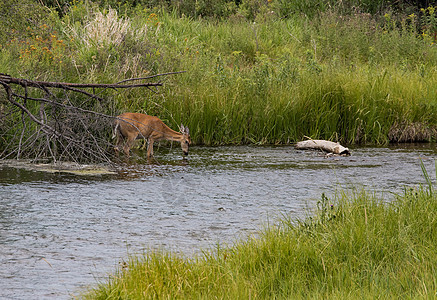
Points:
355	246
355	77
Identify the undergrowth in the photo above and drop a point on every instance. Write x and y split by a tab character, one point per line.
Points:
345	75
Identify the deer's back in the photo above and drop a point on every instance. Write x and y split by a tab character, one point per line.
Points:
136	121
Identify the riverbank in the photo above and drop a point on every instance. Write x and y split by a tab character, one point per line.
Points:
352	77
355	246
59	167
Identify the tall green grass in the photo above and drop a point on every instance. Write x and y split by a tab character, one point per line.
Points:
355	78
356	245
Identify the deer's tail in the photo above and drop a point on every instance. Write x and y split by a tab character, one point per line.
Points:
116	128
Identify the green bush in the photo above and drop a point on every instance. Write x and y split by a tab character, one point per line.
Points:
21	20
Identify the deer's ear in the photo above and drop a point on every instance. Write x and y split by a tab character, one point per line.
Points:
184	129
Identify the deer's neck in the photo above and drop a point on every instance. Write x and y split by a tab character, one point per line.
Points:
172	135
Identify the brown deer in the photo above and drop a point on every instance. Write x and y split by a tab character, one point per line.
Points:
132	126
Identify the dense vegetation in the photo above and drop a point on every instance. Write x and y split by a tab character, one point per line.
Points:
357	71
355	247
257	71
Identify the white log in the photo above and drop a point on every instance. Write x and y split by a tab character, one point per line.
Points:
327	146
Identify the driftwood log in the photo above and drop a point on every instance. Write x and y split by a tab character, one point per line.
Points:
326	146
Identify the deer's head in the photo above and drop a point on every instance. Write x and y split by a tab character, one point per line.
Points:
186	140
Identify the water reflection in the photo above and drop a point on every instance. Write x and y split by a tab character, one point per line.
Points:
58	232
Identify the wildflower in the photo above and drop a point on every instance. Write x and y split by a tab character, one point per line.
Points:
412	16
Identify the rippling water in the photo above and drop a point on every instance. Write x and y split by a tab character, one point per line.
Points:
60	233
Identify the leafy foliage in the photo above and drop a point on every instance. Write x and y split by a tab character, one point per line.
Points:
21	20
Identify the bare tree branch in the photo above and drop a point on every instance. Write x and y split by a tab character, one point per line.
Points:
57	129
149	77
65	85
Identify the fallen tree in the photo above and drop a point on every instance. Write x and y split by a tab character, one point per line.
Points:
70	123
326	146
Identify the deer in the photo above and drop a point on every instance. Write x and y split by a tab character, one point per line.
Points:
132	126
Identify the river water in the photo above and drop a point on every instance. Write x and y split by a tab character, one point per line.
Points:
60	233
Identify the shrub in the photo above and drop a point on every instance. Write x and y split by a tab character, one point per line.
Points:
21	20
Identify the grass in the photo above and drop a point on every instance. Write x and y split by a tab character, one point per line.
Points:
356	78
354	246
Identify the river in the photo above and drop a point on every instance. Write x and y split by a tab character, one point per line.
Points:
60	233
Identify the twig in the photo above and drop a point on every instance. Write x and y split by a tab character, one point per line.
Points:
149	77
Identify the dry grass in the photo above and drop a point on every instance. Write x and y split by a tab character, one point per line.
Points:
107	29
411	132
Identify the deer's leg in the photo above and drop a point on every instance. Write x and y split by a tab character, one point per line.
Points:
117	143
126	148
150	148
129	142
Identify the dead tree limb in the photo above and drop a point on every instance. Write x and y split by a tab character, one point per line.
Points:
326	146
59	128
64	85
150	77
